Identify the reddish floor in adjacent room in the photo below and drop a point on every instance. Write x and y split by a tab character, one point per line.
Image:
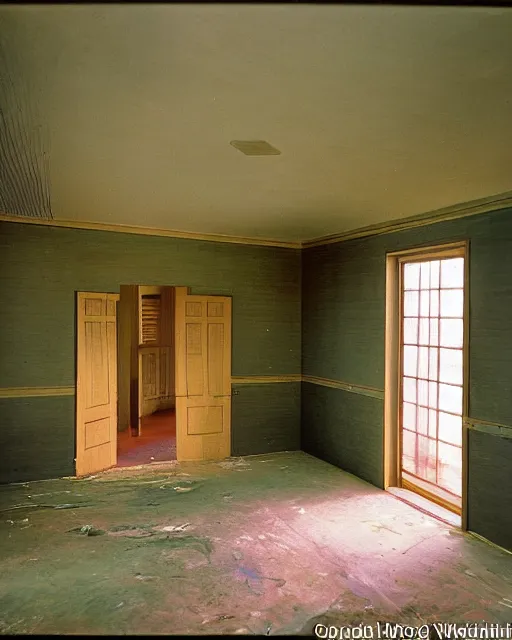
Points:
156	443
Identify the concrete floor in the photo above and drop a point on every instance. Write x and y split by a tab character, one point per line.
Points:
262	545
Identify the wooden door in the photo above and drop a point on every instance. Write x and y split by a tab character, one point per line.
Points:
149	380
203	376
96	384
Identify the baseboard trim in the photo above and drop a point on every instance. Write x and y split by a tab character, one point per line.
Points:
493	544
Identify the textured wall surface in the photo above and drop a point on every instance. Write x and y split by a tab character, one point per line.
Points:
343	323
490	487
343	428
266	416
343	306
42	268
37	438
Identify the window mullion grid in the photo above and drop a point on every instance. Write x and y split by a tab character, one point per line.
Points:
416	439
438	374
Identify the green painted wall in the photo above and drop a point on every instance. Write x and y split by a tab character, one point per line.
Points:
343	297
37	438
490	487
343	304
344	429
270	414
43	267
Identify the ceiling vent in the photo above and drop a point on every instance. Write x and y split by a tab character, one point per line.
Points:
255	147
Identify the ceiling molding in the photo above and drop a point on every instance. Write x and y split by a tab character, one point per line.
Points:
463	210
150	231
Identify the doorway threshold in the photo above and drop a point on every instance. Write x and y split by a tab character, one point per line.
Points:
426	506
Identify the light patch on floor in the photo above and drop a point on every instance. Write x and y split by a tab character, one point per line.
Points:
125	552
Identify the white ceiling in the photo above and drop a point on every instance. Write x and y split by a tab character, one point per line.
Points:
380	112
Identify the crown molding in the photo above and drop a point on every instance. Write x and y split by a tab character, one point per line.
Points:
454	212
151	231
462	210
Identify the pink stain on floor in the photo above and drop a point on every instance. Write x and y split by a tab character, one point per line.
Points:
157	442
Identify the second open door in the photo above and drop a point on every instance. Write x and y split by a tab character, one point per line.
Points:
203	376
96	383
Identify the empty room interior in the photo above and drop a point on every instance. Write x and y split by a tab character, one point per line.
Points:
256	325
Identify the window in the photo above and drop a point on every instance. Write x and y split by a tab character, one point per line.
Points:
431	375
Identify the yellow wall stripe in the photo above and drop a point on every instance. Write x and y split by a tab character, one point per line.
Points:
372	392
505	431
266	379
34	392
474	424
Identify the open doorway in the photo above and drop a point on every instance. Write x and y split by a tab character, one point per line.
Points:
156	442
146	376
153	367
426	394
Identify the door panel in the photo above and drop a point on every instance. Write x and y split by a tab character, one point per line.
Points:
203	376
167	400
167	349
96	388
165	382
149	377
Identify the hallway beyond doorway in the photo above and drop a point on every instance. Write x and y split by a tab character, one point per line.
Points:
157	442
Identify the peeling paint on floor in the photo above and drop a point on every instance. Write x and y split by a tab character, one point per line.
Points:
266	553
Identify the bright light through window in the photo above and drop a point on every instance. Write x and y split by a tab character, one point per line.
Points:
432	372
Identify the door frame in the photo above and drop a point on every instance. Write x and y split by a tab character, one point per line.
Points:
393	348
